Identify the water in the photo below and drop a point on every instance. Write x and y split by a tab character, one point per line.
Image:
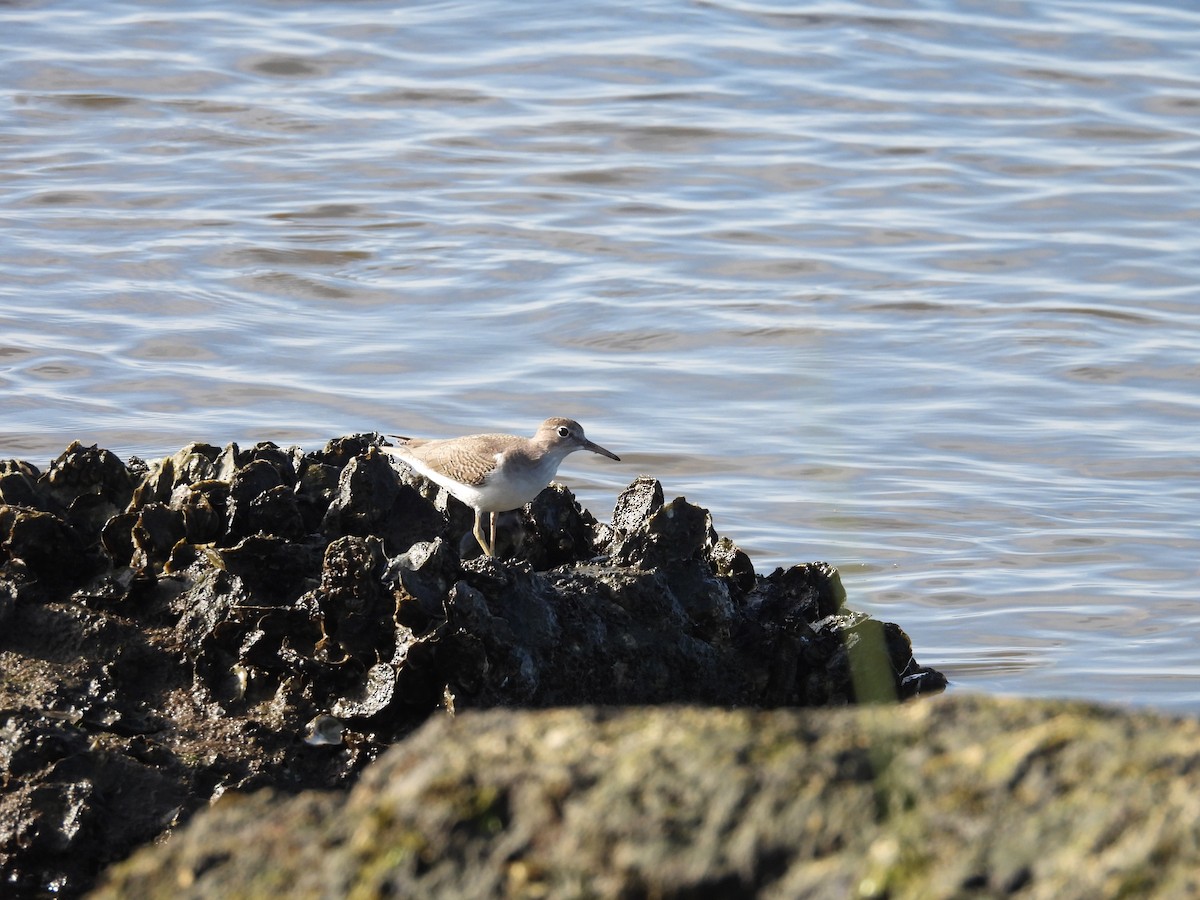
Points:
909	287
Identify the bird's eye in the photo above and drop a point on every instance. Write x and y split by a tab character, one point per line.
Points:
564	431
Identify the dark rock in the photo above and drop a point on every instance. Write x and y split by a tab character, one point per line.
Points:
204	505
371	501
557	530
185	624
44	544
155	533
116	537
353	599
206	606
282	461
194	463
339	451
733	565
420	579
81	471
276	570
637	503
261	500
19	485
674	531
315	490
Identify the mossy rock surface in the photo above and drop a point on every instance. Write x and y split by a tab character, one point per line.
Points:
951	797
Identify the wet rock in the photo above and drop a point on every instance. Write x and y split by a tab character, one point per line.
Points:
82	783
733	565
557	530
316	486
154	534
204	505
637	503
116	538
354	601
502	630
420	579
193	463
198	462
67	795
810	591
276	570
338	452
82	471
207	605
371	501
19	485
261	500
282	461
44	544
668	532
110	590
196	618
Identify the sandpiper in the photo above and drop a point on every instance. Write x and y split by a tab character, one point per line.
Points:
495	473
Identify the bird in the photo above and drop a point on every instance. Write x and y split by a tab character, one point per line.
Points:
495	473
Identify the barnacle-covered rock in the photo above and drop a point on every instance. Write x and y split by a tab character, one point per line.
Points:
155	533
262	498
371	500
557	531
354	600
204	506
19	484
44	544
420	578
229	618
81	471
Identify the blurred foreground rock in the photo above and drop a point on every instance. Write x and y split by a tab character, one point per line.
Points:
233	619
955	797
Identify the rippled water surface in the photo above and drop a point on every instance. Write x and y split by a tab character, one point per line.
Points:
909	287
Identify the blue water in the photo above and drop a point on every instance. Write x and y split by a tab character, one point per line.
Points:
908	287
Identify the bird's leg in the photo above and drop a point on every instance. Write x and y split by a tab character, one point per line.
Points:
478	532
492	517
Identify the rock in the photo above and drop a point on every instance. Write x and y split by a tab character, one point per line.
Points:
371	501
959	796
204	506
637	503
44	545
262	502
88	471
356	607
420	579
194	463
155	533
556	531
19	484
275	569
228	619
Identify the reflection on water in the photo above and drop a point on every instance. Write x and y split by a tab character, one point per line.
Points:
909	290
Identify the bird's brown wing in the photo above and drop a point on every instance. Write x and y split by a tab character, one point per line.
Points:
463	460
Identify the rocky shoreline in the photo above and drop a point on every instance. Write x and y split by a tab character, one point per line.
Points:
950	797
226	619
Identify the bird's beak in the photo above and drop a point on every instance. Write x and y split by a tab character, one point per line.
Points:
596	448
